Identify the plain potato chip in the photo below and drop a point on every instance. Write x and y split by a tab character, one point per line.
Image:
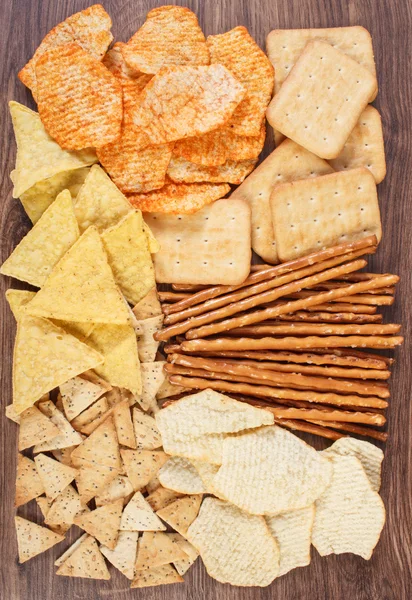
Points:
123	556
54	476
194	100
369	455
270	470
89	28
44	245
64	509
45	356
292	531
67	436
132	269
180	475
119	488
181	513
183	198
138	516
39	157
163	575
206	471
35	427
238	51
102	523
232	171
170	36
157	548
100	448
142	465
17	300
162	497
349	516
235	547
208	448
123	423
184	564
146	431
28	483
81	287
146	344
79	100
39	197
78	394
85	561
33	539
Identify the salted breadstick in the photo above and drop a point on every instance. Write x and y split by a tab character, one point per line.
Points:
200	331
262	391
365	246
382	436
303	316
270	377
314	329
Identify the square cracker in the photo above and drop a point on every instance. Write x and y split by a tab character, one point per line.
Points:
312	214
289	162
211	246
322	99
364	147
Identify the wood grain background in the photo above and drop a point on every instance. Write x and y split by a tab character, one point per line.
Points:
388	575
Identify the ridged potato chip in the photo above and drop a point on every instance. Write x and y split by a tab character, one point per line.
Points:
114	61
232	171
80	101
170	36
180	475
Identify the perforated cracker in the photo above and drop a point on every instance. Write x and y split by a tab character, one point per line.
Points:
322	99
289	162
209	247
312	214
182	198
232	171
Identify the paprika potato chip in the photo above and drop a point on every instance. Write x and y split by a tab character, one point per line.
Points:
232	171
114	61
170	36
80	101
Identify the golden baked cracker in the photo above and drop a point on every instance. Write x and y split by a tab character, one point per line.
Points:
238	51
217	147
67	436
163	575
181	513
54	475
80	101
182	198
210	247
78	394
183	102
145	429
35	427
146	344
364	147
170	36
102	523
89	28
139	516
60	516
157	548
119	488
33	539
232	171
28	482
288	162
142	465
322	99
84	560
184	564
312	214
123	557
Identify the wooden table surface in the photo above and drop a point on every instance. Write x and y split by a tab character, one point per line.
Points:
388	575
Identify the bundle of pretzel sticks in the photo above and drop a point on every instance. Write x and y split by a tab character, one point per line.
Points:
288	339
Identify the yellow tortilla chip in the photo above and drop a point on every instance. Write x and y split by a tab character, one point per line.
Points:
17	300
154	245
129	257
28	482
42	194
33	539
44	245
45	356
99	202
38	155
81	287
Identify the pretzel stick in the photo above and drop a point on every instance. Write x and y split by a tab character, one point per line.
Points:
382	436
325	317
325	417
333	285
314	329
254	290
355	277
261	391
173	296
334	307
344	352
188	287
282	379
197	330
367	245
368	299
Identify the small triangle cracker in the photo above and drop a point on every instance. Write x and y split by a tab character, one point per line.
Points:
102	523
157	548
86	561
33	539
139	516
28	482
123	556
101	447
181	513
55	476
158	576
142	465
35	427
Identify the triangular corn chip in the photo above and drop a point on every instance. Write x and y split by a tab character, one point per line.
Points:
67	436
119	488
153	377
154	245
190	551
78	394
157	576
138	516
118	345
17	300
157	548
100	448
35	427
86	561
142	465
124	426
28	482
123	556
44	245
59	561
45	356
38	155
132	269
147	434
64	509
33	539
102	523
39	197
99	202
55	476
90	414
92	479
148	307
81	287
146	344
162	497
181	513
